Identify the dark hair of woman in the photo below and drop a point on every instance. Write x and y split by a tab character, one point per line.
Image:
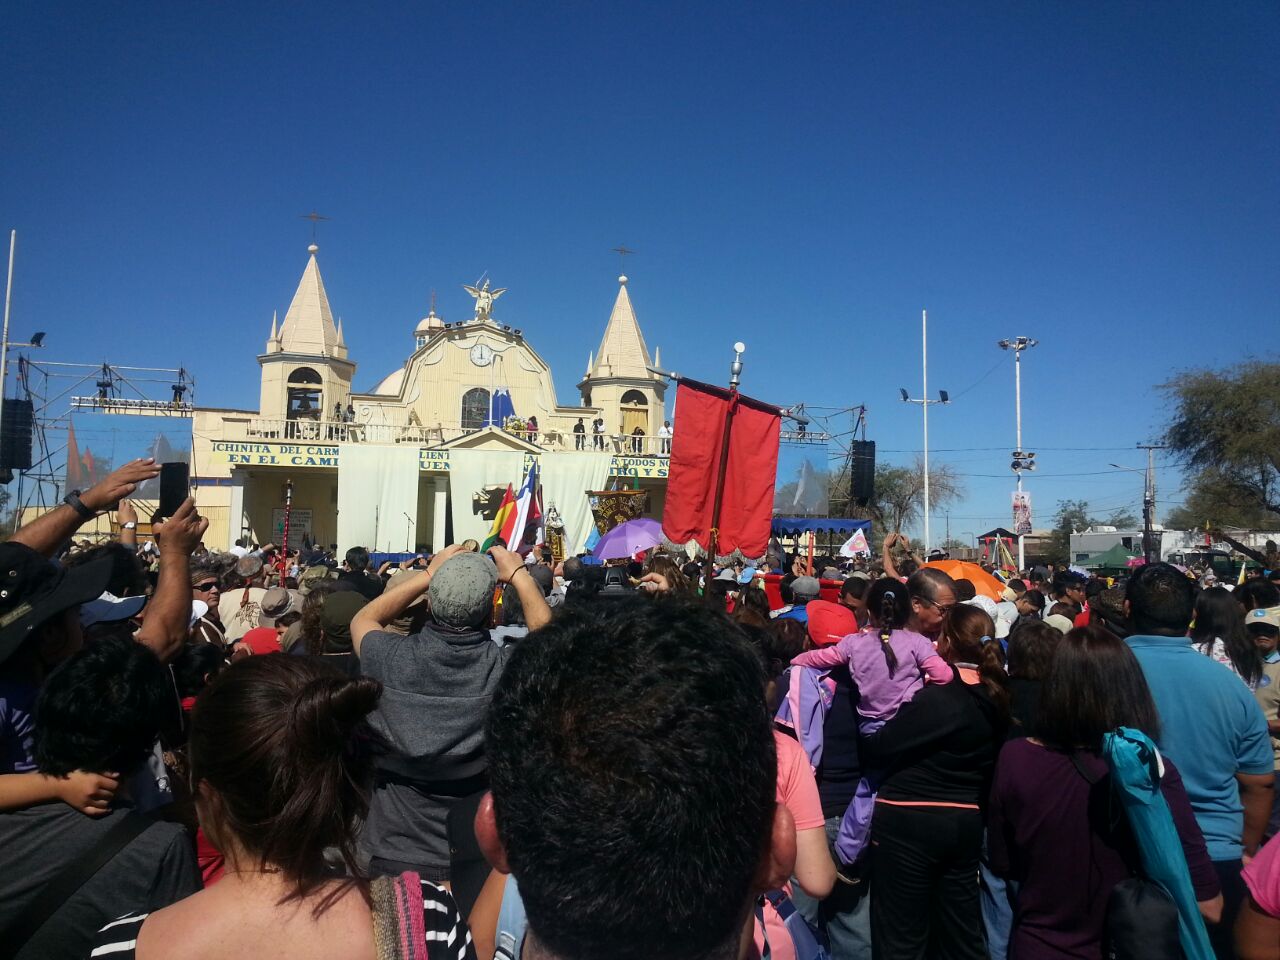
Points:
889	609
1253	594
664	565
746	617
855	587
1220	616
792	634
197	665
969	637
753	598
1035	598
775	652
1094	686
1031	646
278	769
311	636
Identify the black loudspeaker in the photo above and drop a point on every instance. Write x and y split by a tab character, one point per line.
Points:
862	472
15	435
174	487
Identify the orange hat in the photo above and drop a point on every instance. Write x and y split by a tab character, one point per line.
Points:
829	622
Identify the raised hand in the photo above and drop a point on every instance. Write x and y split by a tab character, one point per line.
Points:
119	484
508	563
181	532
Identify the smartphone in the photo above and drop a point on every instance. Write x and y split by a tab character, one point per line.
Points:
175	486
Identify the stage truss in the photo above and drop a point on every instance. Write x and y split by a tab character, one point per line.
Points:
56	389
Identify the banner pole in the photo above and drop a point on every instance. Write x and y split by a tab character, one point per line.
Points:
713	535
288	512
713	538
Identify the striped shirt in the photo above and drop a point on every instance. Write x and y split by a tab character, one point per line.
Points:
445	933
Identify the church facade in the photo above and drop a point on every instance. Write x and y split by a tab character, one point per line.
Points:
458	413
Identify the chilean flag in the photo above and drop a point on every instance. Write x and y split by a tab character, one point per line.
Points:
527	511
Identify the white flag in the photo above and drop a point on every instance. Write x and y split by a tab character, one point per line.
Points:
855	545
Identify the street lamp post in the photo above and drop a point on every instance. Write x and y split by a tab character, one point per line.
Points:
1021	460
924	402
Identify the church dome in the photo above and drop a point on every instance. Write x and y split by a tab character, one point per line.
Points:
429	324
390	384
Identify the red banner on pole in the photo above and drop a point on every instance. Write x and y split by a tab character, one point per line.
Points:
746	505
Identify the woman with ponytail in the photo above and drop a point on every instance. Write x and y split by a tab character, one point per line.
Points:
888	663
280	759
937	755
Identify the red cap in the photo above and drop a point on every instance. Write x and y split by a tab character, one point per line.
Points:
262	640
829	622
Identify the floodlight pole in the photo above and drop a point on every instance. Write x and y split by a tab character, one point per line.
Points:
924	403
924	359
1020	459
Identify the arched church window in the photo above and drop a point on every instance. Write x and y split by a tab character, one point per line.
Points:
636	397
304	375
475	408
304	395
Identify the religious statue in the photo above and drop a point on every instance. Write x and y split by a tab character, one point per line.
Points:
484	298
555	533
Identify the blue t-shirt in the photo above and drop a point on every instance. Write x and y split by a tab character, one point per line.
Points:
796	613
17	726
1212	728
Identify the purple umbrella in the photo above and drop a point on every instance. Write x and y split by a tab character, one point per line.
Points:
628	539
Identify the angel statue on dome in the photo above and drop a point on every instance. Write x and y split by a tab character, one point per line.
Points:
484	298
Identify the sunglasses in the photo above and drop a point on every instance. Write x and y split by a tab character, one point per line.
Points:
206	587
944	610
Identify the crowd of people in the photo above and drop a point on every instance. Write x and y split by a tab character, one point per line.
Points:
268	752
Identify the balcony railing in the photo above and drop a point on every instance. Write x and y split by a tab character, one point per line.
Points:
337	431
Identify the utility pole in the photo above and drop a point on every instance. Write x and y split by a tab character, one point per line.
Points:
1150	551
924	402
4	335
1021	460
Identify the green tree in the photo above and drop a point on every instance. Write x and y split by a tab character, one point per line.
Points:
1224	430
899	499
1212	503
1121	519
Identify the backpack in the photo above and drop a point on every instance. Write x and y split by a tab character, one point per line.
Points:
512	923
802	713
1151	915
786	932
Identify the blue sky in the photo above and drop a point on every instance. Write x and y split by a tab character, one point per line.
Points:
804	177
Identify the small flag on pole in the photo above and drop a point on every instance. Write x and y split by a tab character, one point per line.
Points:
856	545
503	521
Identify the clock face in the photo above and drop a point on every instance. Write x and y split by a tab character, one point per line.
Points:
482	354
